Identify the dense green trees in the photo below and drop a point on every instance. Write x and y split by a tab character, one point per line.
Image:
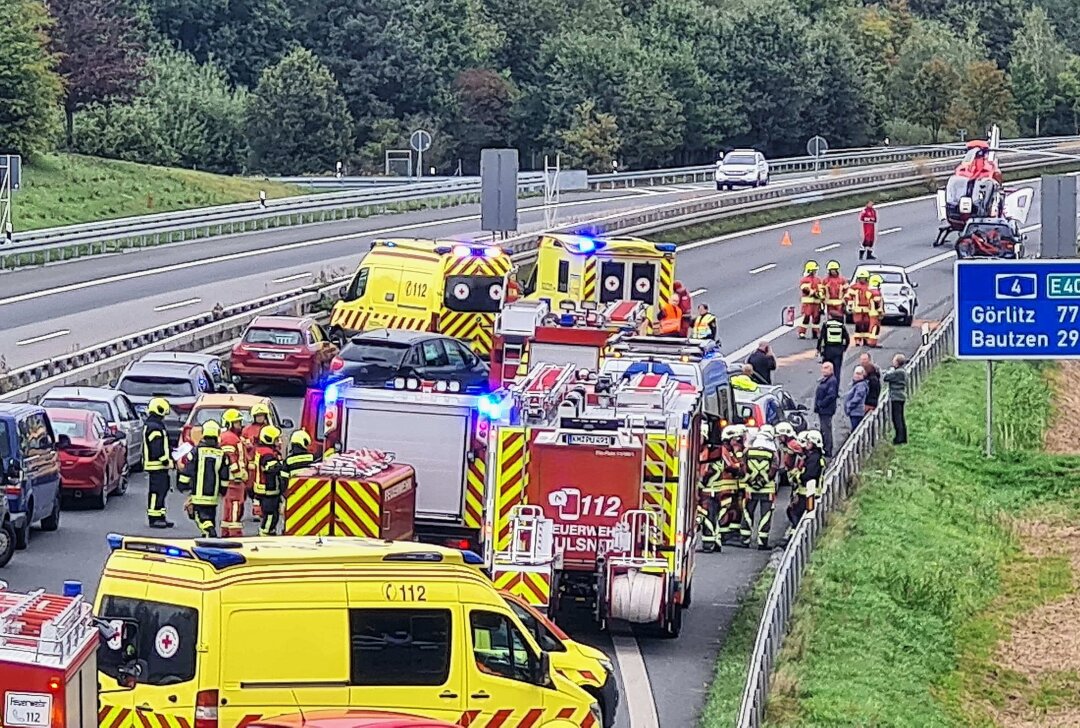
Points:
298	85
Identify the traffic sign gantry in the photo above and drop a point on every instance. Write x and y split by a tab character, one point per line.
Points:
1017	309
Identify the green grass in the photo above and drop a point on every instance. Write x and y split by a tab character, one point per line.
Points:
725	693
916	578
64	189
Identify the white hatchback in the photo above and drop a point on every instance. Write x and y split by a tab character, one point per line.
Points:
741	168
897	291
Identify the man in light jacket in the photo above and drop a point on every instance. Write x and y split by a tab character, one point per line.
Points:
896	378
855	399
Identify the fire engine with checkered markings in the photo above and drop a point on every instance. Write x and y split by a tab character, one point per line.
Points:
591	493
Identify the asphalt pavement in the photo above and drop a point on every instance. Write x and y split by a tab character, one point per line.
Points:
747	279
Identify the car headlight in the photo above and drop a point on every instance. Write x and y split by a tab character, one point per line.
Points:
597	715
905	291
606	664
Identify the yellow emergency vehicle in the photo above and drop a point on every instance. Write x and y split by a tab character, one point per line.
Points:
220	634
581	268
445	286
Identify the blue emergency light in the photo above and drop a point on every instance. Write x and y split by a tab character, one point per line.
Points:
665	247
461	250
72	588
492	252
490	406
218	558
115	541
472	557
330	395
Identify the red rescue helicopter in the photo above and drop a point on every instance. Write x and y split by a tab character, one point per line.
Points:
976	190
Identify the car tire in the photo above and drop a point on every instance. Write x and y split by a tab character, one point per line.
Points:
671	628
101	500
125	481
7	543
240	384
719	187
51	522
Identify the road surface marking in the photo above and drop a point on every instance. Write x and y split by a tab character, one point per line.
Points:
296	277
747	348
763	268
890	231
638	691
43	337
698	292
823	248
931	261
178	304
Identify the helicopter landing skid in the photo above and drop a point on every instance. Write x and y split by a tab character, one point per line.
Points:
942	236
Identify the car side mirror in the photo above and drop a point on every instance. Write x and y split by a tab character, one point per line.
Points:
116	437
343	292
914	284
12	471
124	639
288	424
543	671
63	442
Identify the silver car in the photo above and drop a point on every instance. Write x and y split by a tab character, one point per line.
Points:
741	168
180	384
113	406
219	370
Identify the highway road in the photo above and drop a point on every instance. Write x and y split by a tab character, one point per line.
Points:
747	279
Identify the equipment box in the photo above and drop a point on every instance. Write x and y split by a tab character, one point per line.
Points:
357	493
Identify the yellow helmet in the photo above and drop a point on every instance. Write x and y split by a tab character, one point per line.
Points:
260	409
231	416
862	275
159	406
833	266
300	438
269	435
876	281
211	429
811	267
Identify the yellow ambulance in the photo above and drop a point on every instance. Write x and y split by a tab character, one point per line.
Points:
444	286
212	633
582	268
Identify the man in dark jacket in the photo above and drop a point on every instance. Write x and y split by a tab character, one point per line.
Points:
763	362
834	342
828	390
873	382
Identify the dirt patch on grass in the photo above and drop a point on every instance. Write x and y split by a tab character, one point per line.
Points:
1063	436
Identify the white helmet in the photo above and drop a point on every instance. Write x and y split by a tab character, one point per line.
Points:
740	430
767	431
785	429
814	438
729	432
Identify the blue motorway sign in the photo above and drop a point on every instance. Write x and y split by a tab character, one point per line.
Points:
1017	309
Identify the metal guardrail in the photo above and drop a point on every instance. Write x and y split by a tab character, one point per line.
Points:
838	482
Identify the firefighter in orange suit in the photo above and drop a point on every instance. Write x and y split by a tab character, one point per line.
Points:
859	303
868	218
835	287
810	297
260	418
232	444
268	479
876	310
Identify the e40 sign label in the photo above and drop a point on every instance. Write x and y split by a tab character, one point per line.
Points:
1017	309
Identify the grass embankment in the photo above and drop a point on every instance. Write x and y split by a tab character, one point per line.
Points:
64	189
937	592
791	212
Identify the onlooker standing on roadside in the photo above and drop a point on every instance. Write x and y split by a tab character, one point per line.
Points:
855	399
828	391
873	382
763	361
896	378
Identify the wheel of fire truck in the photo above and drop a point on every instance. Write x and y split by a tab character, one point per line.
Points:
688	597
601	611
7	543
673	623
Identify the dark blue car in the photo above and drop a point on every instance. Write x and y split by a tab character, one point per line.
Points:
29	469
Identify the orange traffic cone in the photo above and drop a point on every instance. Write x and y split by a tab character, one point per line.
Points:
815	229
786	240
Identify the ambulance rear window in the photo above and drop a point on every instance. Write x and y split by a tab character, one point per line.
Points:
399	646
474	294
167	636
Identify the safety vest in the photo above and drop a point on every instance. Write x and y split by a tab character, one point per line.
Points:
760	470
725	473
209	469
233	447
834	333
702	328
155	445
810	288
670	318
267	471
835	287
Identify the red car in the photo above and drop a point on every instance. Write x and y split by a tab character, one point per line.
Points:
351	719
93	458
281	349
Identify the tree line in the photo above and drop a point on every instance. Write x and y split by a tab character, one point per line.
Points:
295	86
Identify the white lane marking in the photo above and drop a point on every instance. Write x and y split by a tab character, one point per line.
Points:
823	248
698	292
43	337
930	261
296	277
763	268
1031	228
638	692
178	304
747	348
890	231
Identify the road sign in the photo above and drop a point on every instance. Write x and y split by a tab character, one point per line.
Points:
817	146
420	141
1017	309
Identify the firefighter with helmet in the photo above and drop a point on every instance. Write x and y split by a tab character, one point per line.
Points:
260	418
859	304
156	462
206	477
875	310
868	218
268	477
299	456
810	293
762	464
790	455
810	479
720	489
834	287
232	444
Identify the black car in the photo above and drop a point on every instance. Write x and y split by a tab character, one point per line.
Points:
376	357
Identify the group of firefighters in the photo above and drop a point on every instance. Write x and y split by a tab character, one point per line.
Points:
834	296
742	476
232	461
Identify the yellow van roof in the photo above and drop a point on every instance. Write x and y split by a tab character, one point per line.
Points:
616	244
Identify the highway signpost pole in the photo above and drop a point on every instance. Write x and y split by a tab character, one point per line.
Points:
989	408
816	148
420	141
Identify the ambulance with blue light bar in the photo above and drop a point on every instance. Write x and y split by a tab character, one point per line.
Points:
446	286
592	491
601	270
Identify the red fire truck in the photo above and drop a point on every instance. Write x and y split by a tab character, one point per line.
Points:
48	660
592	491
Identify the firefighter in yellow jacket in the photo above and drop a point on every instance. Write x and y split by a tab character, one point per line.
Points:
762	464
268	477
206	477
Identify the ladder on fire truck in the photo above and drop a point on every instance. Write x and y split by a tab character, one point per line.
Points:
691	350
41	625
543	389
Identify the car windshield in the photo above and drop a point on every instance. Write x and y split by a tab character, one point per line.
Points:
205	414
888	276
156	387
956	188
68	427
738	159
474	294
991	230
102	408
387	354
278	337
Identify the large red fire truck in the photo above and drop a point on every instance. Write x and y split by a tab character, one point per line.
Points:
591	497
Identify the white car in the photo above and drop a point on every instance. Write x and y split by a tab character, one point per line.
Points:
897	291
741	167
